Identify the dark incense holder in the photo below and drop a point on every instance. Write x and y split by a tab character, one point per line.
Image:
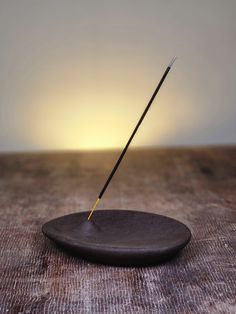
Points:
119	237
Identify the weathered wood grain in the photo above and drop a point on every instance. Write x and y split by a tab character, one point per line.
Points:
196	186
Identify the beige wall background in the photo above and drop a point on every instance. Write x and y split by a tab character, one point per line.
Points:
78	74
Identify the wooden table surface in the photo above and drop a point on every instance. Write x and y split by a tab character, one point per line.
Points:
196	186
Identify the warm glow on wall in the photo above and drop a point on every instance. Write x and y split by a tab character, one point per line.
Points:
80	109
80	125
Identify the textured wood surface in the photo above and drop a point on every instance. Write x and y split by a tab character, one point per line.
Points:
196	186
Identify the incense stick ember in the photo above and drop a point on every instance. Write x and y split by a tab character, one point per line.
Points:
131	137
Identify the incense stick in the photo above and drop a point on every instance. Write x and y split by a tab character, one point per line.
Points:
131	137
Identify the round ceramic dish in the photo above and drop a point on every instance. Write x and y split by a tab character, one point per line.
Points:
119	237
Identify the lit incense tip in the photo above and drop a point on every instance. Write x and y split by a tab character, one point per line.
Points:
94	207
172	62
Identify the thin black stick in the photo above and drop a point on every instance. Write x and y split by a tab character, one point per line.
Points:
132	135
